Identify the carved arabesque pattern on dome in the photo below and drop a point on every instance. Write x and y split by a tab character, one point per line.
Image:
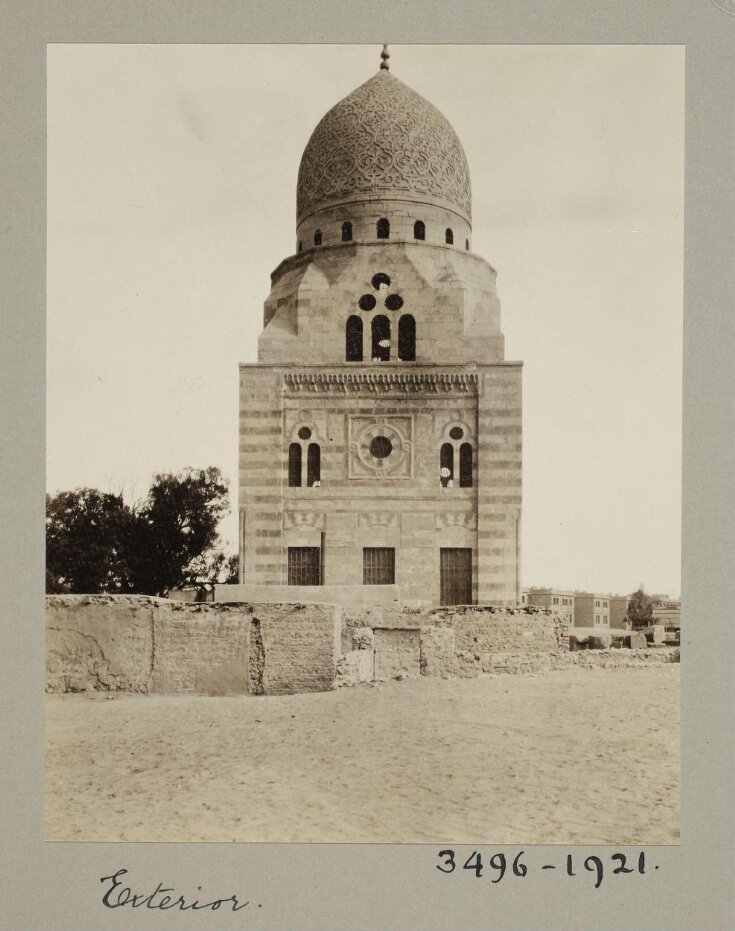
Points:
383	137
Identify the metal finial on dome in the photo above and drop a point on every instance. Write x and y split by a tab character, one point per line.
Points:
385	55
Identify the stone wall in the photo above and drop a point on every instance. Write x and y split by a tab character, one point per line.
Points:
297	648
452	641
133	643
99	642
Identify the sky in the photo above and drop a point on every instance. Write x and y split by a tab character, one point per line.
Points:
172	196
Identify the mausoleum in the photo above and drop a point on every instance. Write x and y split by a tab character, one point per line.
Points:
380	429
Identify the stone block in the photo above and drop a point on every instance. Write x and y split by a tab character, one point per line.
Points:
294	648
600	641
202	652
397	653
635	640
100	643
355	667
362	638
438	648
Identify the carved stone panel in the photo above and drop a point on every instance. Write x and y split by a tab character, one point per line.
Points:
370	519
447	519
311	520
380	447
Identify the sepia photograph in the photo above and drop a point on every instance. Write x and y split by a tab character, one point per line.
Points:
364	443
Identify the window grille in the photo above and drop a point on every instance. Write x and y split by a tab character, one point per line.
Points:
456	576
304	565
378	566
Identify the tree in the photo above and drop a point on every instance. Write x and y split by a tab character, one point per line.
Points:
640	609
87	542
176	526
96	543
210	569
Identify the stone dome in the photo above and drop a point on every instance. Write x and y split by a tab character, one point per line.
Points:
383	138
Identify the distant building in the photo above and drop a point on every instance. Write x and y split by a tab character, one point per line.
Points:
667	612
619	610
591	610
554	598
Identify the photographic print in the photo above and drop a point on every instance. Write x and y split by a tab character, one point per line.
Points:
364	377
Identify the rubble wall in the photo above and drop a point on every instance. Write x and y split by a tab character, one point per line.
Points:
135	643
451	641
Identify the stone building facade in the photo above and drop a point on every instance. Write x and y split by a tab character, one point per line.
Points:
557	599
380	429
619	611
591	609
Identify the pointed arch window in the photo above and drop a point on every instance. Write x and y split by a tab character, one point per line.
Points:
407	338
446	465
347	231
317	237
294	465
383	228
419	230
353	339
449	237
313	465
465	465
381	338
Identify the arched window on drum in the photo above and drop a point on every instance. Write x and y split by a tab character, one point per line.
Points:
381	339
353	339
407	338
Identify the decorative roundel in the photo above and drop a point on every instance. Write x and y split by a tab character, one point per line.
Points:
394	302
304	433
381	447
456	433
380	278
366	302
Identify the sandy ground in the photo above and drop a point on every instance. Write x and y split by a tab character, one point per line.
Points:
578	756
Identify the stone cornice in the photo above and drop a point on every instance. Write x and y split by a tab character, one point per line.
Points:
381	382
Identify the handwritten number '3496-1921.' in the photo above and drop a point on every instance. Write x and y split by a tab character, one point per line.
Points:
499	864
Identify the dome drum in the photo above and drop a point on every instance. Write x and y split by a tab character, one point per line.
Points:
402	216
